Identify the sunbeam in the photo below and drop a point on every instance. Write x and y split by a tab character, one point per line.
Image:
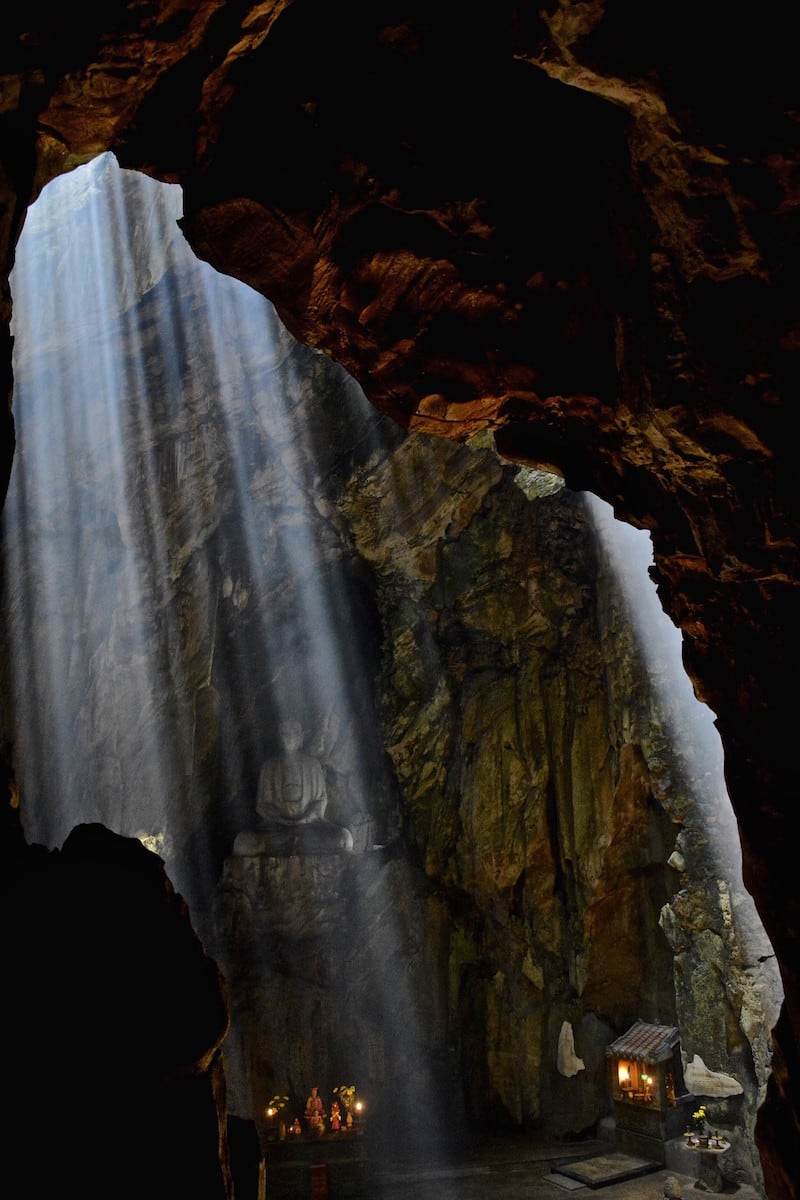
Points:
683	735
186	491
404	720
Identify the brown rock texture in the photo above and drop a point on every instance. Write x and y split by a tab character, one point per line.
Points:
574	228
552	826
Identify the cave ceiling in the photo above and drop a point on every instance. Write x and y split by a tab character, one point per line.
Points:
574	226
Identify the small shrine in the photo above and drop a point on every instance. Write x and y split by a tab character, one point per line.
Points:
647	1086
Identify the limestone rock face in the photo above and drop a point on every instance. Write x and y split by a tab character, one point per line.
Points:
531	809
610	295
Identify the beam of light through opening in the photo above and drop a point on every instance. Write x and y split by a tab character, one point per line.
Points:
689	728
144	448
181	562
74	300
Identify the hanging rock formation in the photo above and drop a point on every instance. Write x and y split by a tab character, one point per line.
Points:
572	227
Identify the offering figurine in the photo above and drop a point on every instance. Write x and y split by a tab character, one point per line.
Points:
315	1112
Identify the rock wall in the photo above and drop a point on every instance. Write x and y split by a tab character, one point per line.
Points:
546	817
573	226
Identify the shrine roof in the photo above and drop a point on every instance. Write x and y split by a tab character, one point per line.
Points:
646	1043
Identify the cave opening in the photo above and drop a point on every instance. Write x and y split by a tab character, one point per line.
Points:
208	530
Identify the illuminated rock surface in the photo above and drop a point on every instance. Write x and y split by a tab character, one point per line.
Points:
622	311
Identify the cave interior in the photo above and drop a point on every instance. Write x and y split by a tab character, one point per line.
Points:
556	252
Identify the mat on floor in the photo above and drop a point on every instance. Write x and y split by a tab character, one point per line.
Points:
606	1168
569	1185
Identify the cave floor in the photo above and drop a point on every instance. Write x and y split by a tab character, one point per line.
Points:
516	1169
519	1171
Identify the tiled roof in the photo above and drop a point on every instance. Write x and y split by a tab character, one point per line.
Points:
645	1043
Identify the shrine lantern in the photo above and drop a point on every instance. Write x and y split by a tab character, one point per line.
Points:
648	1089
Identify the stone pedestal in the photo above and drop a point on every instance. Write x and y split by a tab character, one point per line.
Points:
333	1164
708	1159
645	1131
700	1164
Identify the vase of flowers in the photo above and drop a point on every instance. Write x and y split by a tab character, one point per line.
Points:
347	1097
274	1113
699	1130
